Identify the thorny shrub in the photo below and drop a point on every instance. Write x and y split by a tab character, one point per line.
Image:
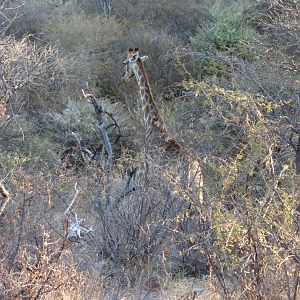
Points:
252	196
29	74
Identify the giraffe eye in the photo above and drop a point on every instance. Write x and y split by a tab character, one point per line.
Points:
133	58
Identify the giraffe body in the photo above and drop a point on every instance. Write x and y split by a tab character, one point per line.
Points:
161	149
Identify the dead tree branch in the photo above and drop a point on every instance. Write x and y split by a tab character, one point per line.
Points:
107	144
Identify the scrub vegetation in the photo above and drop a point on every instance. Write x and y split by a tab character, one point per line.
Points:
225	75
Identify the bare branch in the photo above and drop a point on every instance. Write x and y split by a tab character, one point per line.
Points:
73	200
103	128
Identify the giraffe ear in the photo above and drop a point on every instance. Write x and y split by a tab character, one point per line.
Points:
143	58
130	52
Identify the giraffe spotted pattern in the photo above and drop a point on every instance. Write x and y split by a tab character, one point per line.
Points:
162	152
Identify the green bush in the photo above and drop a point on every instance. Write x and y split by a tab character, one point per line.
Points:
22	145
228	30
76	31
76	126
227	35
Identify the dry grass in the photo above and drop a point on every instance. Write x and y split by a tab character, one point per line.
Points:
170	289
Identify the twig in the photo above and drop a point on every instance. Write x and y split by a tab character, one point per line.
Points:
73	200
76	230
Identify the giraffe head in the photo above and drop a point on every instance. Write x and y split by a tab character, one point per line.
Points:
131	63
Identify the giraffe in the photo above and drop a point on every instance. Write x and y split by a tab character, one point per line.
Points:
160	146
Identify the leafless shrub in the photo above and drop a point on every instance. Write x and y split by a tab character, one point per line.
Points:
36	261
153	227
173	18
104	6
10	11
38	270
28	75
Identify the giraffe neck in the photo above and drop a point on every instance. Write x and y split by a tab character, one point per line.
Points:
154	124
